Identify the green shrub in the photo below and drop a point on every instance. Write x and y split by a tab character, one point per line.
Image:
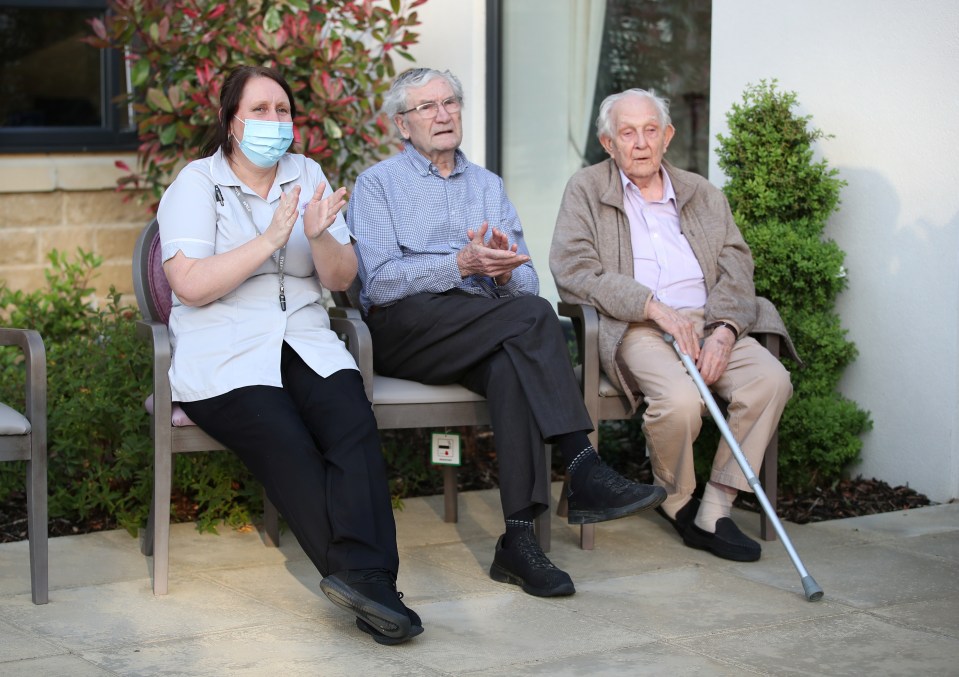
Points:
781	199
99	448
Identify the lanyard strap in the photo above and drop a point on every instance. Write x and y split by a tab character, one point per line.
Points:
278	256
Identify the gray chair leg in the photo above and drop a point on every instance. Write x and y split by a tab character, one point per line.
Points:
450	495
37	525
162	480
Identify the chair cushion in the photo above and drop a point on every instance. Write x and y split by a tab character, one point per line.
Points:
12	422
178	416
606	387
388	390
160	290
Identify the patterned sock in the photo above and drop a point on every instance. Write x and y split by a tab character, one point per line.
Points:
578	453
716	504
517	524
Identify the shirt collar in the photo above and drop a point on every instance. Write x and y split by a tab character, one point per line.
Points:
222	173
668	192
424	167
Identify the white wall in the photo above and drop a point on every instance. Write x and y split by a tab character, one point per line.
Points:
882	77
453	36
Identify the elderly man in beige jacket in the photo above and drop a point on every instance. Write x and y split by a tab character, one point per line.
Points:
655	250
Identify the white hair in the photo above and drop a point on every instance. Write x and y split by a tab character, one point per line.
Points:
395	101
604	121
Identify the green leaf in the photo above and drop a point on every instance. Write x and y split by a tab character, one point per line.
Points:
168	135
272	20
158	99
332	129
139	72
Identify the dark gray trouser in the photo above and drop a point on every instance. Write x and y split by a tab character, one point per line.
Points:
510	350
314	446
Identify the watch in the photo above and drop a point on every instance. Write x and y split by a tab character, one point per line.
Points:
715	325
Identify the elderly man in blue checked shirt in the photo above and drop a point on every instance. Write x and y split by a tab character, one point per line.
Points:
450	296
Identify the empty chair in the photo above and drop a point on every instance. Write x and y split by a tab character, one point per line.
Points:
23	437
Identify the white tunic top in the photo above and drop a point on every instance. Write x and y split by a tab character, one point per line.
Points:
236	340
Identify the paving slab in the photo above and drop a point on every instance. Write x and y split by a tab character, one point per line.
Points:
645	604
655	659
865	576
852	644
693	600
124	613
496	631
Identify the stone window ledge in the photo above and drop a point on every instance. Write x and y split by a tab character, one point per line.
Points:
34	173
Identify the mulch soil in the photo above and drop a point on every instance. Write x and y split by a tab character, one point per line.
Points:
846	498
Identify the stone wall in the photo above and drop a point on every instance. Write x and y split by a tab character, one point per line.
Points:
64	202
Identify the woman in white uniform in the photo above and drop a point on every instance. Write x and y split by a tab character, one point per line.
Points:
249	235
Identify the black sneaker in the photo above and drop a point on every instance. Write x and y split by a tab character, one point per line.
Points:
416	628
371	595
526	565
603	494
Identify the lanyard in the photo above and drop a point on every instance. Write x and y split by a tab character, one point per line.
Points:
278	256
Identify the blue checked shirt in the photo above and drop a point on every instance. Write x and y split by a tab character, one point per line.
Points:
410	222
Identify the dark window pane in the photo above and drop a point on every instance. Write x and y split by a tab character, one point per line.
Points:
48	78
664	46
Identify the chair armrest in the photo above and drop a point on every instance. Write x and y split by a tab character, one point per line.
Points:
586	327
31	343
770	342
346	322
351	313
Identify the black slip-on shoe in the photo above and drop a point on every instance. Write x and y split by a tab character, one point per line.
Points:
684	517
370	594
603	494
728	542
526	565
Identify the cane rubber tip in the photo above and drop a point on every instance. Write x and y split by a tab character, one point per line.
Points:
811	588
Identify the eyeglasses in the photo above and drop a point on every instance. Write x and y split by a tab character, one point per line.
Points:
431	109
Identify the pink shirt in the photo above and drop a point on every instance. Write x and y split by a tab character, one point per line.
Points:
662	257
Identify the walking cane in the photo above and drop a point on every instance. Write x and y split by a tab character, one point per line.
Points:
810	587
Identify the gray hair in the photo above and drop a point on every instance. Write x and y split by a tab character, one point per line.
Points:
395	101
604	122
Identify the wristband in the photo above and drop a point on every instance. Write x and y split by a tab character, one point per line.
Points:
716	325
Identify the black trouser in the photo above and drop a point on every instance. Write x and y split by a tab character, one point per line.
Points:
510	350
314	446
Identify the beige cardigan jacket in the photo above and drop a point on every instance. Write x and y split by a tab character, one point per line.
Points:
591	259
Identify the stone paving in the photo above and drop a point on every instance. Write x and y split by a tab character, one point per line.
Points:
645	604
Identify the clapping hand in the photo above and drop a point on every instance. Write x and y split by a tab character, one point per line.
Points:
320	212
285	216
495	259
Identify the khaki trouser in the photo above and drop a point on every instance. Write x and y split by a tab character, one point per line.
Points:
755	385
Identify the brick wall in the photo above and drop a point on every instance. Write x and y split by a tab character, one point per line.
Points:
64	202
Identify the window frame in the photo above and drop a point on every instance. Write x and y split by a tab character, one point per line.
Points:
107	136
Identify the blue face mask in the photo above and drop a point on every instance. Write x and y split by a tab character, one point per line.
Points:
264	141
